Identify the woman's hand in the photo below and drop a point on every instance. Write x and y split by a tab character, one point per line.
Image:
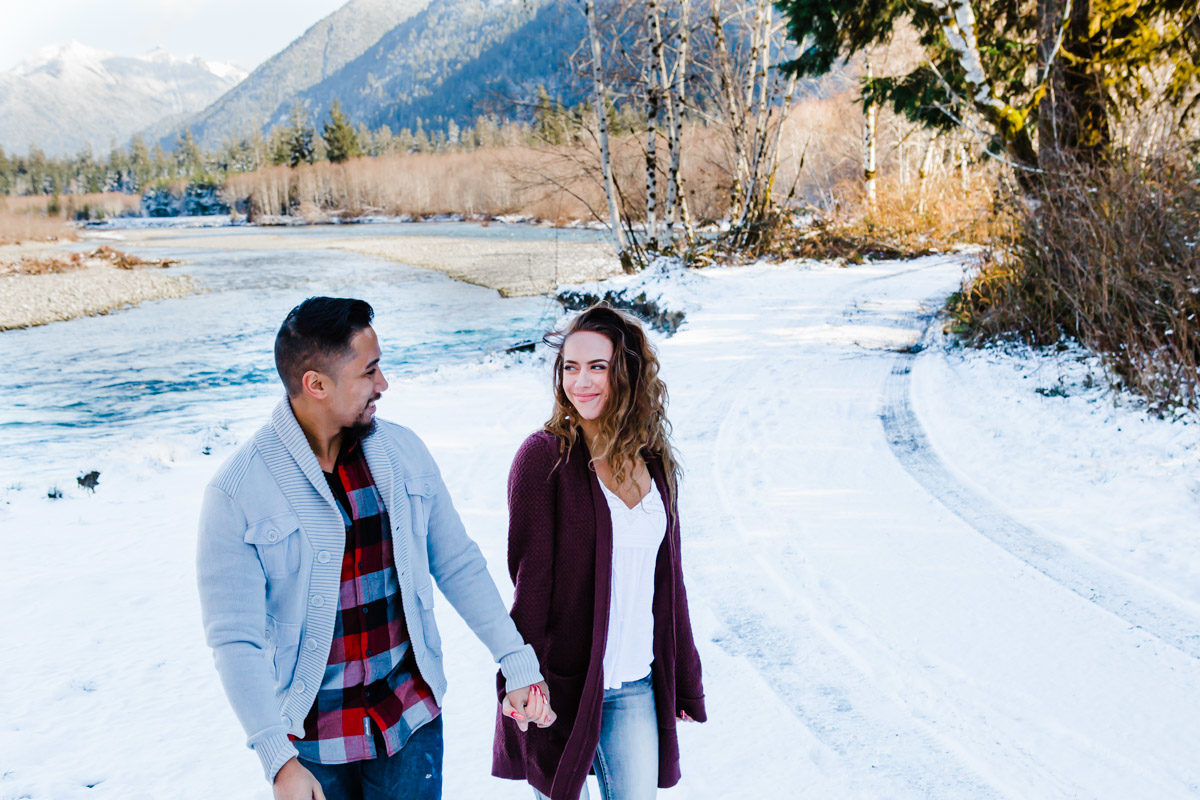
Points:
683	717
529	704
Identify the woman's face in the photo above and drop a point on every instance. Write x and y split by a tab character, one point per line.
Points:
586	358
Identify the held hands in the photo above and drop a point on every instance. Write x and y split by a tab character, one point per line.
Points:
529	704
294	782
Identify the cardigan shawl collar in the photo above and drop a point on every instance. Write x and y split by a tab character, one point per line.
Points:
379	461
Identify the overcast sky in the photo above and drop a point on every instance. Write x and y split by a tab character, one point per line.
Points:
244	32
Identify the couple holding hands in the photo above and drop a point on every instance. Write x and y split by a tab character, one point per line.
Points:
321	538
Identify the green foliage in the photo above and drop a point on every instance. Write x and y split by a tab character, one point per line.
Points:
341	139
294	144
1112	53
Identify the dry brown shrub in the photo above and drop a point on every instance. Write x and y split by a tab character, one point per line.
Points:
908	219
29	226
45	265
122	260
1108	257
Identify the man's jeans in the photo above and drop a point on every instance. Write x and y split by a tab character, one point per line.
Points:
415	772
626	760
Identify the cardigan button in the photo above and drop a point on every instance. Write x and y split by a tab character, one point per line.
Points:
317	601
310	643
323	556
286	720
299	684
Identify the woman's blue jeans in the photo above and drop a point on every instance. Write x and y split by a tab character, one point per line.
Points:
414	773
626	761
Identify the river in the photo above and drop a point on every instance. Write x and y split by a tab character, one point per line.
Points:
187	370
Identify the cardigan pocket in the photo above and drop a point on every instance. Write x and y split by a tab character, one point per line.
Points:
421	490
277	544
566	691
286	637
433	639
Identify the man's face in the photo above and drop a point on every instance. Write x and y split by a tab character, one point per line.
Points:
357	383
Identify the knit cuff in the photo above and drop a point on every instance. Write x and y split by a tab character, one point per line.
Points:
520	669
694	706
274	750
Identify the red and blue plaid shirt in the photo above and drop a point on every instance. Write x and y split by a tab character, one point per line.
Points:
371	690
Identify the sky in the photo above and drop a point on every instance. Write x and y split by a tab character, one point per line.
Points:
243	32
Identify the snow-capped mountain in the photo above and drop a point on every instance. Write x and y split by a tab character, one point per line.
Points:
71	96
320	52
390	62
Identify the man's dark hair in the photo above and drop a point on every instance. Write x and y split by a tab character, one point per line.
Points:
315	335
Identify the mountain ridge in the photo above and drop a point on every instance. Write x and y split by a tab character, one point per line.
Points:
69	97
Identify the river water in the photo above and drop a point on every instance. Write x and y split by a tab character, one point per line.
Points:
189	369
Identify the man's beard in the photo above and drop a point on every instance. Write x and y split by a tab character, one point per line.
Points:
358	431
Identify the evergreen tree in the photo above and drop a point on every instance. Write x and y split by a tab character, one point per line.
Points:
189	159
295	145
6	173
1000	59
341	140
549	118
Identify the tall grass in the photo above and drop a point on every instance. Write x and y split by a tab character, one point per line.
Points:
1107	256
40	218
25	224
554	183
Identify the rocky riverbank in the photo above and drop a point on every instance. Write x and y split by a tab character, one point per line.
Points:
41	283
513	267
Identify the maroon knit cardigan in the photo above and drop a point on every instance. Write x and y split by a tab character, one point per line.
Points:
560	560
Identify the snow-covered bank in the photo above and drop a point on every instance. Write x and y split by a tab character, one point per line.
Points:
859	637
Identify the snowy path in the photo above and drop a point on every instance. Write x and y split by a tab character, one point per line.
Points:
910	576
1137	602
918	658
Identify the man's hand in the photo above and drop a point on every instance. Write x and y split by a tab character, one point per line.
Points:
530	704
294	782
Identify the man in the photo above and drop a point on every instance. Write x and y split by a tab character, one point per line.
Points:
319	541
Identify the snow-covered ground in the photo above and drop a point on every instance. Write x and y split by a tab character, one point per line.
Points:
910	573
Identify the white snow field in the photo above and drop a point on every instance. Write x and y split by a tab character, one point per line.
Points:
910	574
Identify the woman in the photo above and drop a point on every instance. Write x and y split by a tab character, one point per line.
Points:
593	551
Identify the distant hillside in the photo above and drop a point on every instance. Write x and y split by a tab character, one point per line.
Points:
320	52
458	59
69	97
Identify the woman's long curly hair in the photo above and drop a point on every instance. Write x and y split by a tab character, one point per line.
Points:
634	416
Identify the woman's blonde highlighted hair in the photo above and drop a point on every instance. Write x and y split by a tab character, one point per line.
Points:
634	417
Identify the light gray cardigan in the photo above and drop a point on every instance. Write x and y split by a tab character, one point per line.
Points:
269	565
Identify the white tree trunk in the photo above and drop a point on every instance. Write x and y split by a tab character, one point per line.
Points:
734	111
762	82
672	101
923	175
653	109
598	98
958	26
675	187
869	148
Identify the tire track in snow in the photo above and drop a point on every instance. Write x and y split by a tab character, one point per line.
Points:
1155	615
882	748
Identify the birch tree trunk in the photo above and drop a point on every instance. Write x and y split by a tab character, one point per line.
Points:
651	165
675	185
869	146
958	26
736	119
653	83
761	81
672	97
598	98
923	174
